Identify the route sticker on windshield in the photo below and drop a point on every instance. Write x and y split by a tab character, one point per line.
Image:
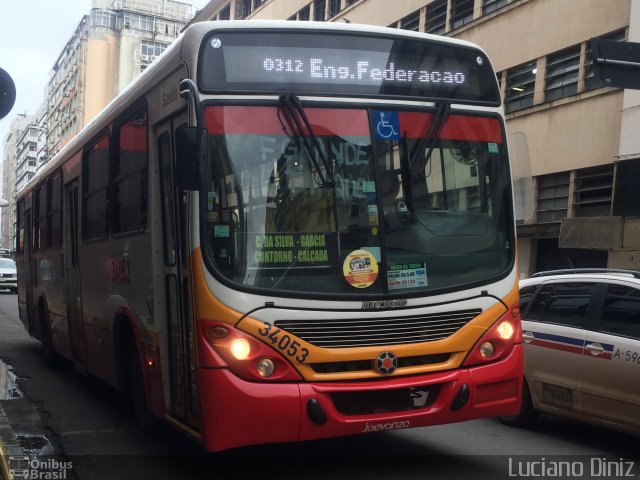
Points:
407	275
360	269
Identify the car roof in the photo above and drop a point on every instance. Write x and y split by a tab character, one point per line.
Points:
586	274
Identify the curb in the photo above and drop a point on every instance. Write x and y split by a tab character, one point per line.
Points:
9	447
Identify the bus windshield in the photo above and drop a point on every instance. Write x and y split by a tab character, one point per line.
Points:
349	203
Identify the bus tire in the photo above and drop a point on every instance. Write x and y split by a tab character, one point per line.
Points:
137	396
527	415
51	358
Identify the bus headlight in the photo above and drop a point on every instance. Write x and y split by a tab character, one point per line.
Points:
505	330
224	346
498	341
266	367
240	348
486	349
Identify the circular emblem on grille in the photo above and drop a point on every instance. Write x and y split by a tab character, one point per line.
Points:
387	362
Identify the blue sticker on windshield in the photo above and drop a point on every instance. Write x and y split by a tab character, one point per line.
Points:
387	125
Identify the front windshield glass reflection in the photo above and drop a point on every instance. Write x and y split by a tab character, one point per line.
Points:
340	209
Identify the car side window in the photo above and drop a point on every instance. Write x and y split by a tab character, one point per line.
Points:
526	295
621	311
566	304
538	303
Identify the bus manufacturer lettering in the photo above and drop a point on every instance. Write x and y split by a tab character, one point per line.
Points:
381	304
377	427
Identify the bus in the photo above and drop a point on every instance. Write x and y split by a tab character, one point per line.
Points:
285	231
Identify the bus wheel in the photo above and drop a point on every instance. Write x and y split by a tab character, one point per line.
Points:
51	358
137	392
527	414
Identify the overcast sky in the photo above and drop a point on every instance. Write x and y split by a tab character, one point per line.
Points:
32	35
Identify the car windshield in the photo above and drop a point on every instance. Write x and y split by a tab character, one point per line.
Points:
7	263
349	203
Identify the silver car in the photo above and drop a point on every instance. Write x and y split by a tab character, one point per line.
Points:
581	330
8	276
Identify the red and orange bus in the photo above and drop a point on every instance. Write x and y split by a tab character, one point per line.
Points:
286	231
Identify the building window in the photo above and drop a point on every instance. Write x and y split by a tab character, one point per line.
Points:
562	74
139	22
489	6
590	81
411	22
319	10
243	8
130	174
437	17
626	200
150	50
553	197
521	81
461	13
334	8
304	14
225	13
593	191
101	18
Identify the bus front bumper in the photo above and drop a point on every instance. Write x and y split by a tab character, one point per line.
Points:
238	413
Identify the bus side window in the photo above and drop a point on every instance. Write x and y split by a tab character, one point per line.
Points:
95	189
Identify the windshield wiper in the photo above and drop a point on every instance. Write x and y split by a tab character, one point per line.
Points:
295	110
429	141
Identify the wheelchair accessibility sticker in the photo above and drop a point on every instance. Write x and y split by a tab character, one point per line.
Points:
387	125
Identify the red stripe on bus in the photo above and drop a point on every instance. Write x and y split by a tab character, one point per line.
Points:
457	127
102	144
266	121
133	137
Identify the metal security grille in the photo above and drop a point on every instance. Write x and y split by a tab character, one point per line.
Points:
347	332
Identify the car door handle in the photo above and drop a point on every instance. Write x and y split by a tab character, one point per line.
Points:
594	348
528	337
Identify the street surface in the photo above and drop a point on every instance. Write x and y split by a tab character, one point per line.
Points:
62	416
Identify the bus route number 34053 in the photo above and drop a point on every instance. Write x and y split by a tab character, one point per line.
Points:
284	343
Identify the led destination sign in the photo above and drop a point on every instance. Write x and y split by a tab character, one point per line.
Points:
244	64
314	63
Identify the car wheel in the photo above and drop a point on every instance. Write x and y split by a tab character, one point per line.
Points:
527	414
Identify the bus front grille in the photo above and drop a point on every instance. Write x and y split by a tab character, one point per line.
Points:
349	332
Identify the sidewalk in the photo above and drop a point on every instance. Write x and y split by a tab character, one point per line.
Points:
9	447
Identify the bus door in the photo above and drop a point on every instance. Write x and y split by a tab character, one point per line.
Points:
179	320
29	269
72	275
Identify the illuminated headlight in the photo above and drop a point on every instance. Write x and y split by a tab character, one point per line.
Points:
240	348
486	349
505	330
266	367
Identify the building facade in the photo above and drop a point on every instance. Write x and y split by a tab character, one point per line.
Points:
584	150
19	145
111	45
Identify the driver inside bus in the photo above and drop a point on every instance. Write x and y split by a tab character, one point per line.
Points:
394	210
389	190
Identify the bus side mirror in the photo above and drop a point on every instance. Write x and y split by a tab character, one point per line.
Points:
192	158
